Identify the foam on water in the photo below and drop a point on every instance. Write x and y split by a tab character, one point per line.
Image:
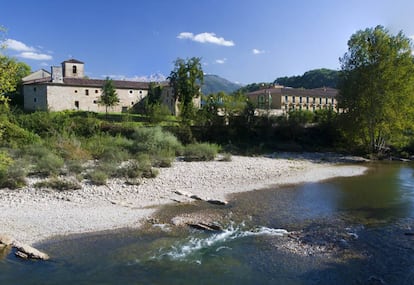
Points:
196	245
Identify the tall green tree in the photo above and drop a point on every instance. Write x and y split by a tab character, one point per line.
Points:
109	97
377	88
186	80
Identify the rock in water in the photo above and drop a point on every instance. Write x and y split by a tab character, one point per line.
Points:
206	227
24	250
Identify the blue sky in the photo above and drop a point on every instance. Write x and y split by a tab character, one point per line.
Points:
241	40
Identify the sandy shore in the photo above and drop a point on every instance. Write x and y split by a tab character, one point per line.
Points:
32	215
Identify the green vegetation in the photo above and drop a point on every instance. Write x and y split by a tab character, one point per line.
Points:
200	152
311	79
186	80
109	97
376	90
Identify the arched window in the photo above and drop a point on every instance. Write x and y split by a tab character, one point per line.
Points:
74	69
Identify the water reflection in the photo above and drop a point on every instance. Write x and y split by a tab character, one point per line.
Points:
379	196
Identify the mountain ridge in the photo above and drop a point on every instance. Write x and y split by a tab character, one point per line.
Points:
214	84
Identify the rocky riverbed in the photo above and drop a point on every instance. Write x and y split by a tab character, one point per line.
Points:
31	215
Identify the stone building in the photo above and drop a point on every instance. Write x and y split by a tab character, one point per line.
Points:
67	88
280	100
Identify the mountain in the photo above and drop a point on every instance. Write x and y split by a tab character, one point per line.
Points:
215	84
311	79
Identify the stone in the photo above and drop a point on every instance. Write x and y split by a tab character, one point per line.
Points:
31	252
217	202
206	227
5	240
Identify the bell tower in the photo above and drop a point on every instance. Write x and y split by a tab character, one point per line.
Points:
73	68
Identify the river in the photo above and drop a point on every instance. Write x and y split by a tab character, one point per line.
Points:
355	230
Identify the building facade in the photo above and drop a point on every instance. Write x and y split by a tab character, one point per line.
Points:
280	100
67	88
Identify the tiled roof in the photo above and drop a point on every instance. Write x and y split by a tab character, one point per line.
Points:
326	92
121	84
72	60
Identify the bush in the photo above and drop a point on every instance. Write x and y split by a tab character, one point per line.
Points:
200	152
71	149
154	140
108	148
58	184
45	162
97	177
12	173
74	166
15	137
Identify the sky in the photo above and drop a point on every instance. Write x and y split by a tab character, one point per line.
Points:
244	41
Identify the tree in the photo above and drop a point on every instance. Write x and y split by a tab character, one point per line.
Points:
377	88
186	80
109	97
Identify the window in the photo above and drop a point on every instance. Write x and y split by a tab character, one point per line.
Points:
35	99
261	102
300	99
307	99
293	99
96	91
130	91
132	103
326	100
77	104
320	100
86	92
140	91
76	91
286	99
74	69
95	102
34	89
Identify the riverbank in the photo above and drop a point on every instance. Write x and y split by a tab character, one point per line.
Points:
31	215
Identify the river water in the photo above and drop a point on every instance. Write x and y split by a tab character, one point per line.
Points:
356	230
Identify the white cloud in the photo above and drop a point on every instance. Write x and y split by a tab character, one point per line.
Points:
17	45
257	51
26	51
221	61
35	55
205	38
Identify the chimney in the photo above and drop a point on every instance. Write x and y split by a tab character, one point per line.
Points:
57	74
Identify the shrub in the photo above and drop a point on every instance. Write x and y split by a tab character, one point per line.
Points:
12	173
71	149
97	177
45	162
200	152
14	136
154	140
58	184
161	160
74	166
108	148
